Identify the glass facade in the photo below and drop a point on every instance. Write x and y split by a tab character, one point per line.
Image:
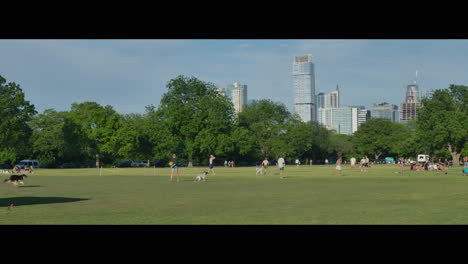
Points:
344	120
385	111
304	88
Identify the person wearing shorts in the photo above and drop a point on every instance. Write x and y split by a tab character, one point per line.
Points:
174	166
465	166
446	166
211	165
281	164
265	165
402	165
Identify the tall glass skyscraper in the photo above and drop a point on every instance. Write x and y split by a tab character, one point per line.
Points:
238	95
304	88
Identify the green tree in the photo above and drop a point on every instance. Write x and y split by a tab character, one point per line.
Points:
195	115
15	132
442	122
48	137
341	144
268	123
96	125
378	136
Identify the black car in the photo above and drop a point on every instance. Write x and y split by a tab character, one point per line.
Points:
124	164
49	165
159	164
5	166
67	166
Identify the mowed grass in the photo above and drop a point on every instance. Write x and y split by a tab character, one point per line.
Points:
308	195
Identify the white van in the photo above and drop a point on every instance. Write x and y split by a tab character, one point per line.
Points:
423	158
28	163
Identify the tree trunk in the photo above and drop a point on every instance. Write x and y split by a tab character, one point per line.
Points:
190	164
97	160
455	155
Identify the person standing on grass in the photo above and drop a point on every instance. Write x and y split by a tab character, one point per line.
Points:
465	166
265	165
402	164
174	166
326	161
225	163
281	164
338	166
297	163
446	166
211	165
366	164
353	162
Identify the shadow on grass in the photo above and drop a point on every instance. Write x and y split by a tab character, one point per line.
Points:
18	201
30	186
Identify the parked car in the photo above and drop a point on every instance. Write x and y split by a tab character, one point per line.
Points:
138	164
49	165
5	166
28	163
159	164
124	164
67	166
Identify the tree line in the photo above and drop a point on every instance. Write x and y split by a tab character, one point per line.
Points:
194	121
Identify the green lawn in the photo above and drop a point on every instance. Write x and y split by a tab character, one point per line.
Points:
309	195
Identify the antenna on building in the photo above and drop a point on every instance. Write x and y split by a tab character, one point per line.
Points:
416	78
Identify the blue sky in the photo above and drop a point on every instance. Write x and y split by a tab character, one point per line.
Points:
131	74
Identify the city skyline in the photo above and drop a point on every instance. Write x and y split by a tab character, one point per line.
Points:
131	74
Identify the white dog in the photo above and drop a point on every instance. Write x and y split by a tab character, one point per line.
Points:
260	171
201	177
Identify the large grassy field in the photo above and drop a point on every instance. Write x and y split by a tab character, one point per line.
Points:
308	195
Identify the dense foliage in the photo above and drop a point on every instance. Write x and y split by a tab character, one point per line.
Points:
194	121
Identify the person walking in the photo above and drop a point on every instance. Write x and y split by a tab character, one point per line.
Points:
211	165
281	164
446	166
265	164
465	166
401	162
353	162
366	164
338	166
174	166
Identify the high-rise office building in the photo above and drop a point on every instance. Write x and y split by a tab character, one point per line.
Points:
320	100
332	100
409	109
344	120
329	100
238	96
385	111
363	113
221	91
304	88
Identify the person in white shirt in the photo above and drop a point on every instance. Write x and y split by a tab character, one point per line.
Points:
281	164
297	163
353	162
